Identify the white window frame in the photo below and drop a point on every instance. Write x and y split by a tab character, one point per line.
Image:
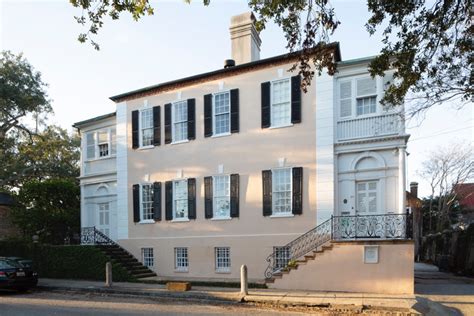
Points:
142	217
173	122
95	137
214	197
285	214
222	259
181	259
282	256
180	219
367	191
214	134
272	124
104	210
140	129
353	80
148	257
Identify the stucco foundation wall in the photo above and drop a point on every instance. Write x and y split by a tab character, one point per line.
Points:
251	250
343	269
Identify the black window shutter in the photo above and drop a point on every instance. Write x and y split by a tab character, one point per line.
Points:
191	119
234	110
265	104
234	195
168	139
157	201
157	125
208	196
169	200
192	198
135	129
136	203
267	192
296	99
297	207
208	115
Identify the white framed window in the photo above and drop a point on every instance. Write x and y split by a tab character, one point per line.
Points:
221	113
181	262
146	202
282	191
148	258
357	96
366	197
104	218
180	199
222	255
280	102
221	196
100	144
282	256
180	121
146	127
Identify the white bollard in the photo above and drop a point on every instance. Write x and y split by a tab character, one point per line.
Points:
108	274
244	289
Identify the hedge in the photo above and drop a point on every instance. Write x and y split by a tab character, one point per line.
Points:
65	262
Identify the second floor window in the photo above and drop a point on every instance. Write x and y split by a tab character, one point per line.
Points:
100	144
366	96
180	199
146	127
180	121
221	113
281	103
221	196
281	191
357	97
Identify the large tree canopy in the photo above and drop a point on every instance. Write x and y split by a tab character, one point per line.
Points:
429	43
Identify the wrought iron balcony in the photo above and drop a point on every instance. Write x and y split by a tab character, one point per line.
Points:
340	228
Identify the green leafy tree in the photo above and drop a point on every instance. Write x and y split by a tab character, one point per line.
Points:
49	209
429	43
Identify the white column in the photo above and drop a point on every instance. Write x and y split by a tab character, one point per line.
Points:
324	147
401	179
122	172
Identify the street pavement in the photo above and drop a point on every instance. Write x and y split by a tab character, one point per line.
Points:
439	293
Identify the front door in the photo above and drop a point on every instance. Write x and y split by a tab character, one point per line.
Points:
104	218
366	224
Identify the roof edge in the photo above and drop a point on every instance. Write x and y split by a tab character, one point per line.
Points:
94	119
118	97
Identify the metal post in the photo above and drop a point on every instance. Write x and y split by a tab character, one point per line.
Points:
108	274
244	290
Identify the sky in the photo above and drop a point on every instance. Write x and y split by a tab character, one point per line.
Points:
180	40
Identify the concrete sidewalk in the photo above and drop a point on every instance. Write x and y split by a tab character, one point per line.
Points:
327	300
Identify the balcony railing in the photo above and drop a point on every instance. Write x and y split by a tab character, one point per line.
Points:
341	228
370	126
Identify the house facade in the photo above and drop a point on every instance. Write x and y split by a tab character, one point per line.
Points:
239	166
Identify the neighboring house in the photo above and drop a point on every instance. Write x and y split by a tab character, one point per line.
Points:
465	196
7	228
239	166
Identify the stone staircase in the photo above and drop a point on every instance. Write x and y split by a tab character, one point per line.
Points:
134	267
300	261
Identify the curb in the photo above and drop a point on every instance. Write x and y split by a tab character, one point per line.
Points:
235	298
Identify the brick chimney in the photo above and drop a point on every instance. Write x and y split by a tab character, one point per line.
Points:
414	189
245	38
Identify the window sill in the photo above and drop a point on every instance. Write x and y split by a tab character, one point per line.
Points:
177	220
180	142
281	126
221	218
222	271
100	158
221	135
147	221
282	215
146	147
181	270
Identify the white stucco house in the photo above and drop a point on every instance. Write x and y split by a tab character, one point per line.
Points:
197	176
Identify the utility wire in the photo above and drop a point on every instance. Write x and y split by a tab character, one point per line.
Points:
447	132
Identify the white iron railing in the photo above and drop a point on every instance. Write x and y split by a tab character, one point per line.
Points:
370	126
